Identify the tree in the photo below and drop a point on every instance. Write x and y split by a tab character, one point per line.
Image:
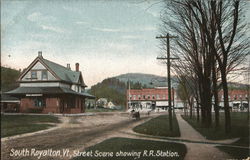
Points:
192	50
9	78
211	41
221	23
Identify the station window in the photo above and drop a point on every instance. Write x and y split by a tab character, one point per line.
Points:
33	74
39	102
44	75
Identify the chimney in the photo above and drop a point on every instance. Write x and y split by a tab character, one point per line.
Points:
77	67
40	54
68	66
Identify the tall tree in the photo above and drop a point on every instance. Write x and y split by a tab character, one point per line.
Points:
210	35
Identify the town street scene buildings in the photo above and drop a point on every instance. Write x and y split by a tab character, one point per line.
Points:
125	80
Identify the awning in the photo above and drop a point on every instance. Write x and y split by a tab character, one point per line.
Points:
9	99
46	90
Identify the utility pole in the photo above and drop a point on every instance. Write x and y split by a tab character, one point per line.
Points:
173	100
169	78
129	101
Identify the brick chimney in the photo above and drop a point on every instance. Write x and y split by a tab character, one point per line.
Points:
68	66
77	67
40	54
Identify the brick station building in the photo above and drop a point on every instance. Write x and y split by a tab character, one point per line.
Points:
47	87
149	98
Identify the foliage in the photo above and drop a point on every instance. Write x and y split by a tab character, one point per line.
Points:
159	126
8	79
112	89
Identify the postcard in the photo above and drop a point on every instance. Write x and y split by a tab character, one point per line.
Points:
125	80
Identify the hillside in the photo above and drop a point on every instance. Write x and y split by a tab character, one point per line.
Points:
149	80
114	89
9	77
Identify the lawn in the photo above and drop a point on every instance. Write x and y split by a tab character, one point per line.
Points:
18	124
129	149
239	123
236	153
159	126
240	128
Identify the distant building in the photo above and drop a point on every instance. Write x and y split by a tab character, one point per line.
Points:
158	98
46	87
238	99
151	98
9	103
110	105
102	102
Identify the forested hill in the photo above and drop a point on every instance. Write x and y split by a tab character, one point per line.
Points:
9	77
148	80
112	89
115	88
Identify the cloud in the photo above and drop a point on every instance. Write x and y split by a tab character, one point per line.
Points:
128	29
45	22
108	29
71	9
34	16
147	28
81	22
39	18
52	28
130	37
119	46
155	14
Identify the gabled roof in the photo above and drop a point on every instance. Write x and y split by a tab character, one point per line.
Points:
61	73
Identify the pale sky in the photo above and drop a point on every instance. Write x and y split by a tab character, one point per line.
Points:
107	37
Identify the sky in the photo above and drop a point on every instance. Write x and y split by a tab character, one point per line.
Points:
107	37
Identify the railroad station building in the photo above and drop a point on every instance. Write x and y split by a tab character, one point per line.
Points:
48	87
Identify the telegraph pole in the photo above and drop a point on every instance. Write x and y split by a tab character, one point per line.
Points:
169	78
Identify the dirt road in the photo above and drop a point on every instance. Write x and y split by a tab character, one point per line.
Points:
76	133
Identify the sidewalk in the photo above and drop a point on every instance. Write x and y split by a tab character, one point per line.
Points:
198	151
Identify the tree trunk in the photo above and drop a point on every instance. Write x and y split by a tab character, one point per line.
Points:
191	109
198	111
207	102
216	101
226	103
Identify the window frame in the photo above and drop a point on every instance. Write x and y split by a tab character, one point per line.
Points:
42	74
31	74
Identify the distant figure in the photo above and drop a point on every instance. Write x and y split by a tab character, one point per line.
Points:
148	113
135	114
